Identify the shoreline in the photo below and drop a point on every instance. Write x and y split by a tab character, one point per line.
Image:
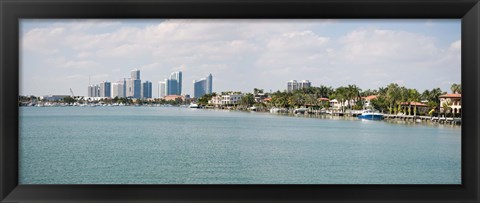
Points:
389	118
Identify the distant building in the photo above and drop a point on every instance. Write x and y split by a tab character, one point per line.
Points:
294	85
93	91
134	85
454	101
118	89
177	77
135	74
421	107
202	86
367	101
162	92
105	89
304	84
171	87
173	98
54	97
147	89
226	100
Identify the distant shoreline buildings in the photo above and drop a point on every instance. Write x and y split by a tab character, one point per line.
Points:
294	85
171	85
202	86
134	88
130	87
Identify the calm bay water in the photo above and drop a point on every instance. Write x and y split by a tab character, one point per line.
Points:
168	145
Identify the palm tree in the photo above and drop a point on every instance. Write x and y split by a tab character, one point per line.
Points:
392	96
404	97
352	92
456	88
414	96
341	95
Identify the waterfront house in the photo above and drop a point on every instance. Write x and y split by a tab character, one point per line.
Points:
337	105
260	97
229	99
324	101
173	98
422	108
454	101
367	101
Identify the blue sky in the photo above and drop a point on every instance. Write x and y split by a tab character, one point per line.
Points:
240	54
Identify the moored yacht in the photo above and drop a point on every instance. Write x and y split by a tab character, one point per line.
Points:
193	106
370	115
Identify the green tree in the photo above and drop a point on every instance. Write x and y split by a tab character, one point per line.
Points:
68	100
392	96
414	96
203	100
456	88
247	100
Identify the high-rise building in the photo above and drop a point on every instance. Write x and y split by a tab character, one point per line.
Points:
147	89
172	85
118	89
105	88
202	86
292	85
162	89
135	74
177	76
93	91
304	84
134	85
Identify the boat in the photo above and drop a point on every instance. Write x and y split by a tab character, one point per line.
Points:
193	106
300	110
370	115
278	110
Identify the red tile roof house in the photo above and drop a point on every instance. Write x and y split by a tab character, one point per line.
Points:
422	108
367	101
454	101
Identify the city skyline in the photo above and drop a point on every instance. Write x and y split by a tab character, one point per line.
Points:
242	54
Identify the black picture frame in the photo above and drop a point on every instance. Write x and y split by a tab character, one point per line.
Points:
13	10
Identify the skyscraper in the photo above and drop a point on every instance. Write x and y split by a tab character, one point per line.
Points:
105	89
147	89
118	89
93	91
134	85
162	89
304	84
173	84
135	74
292	85
177	76
202	86
171	87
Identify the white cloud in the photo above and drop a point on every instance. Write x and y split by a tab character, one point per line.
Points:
73	64
380	46
267	52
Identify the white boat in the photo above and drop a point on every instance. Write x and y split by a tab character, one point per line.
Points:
370	115
278	110
193	106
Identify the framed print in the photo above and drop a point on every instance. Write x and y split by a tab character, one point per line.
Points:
239	101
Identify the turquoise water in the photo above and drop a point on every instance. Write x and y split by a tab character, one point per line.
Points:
168	145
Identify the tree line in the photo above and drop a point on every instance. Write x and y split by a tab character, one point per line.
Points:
392	99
